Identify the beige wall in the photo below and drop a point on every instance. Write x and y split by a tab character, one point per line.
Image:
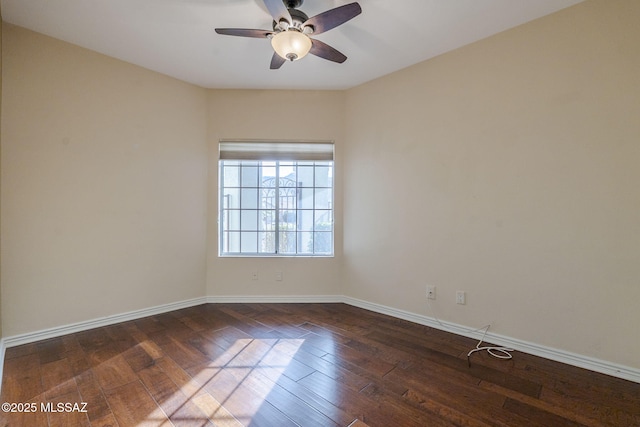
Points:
104	169
508	169
284	115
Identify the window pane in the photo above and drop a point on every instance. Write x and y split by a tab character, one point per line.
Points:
249	220
323	198
267	242
233	220
231	176
268	198
323	220
287	242
231	242
267	220
231	198
322	242
306	220
306	198
268	171
249	176
249	198
250	162
248	242
287	173
305	176
305	245
288	198
288	220
324	176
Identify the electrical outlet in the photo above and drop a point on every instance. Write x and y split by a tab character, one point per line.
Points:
279	276
461	297
431	292
254	275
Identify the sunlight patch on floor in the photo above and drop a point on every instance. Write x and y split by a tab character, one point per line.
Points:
231	388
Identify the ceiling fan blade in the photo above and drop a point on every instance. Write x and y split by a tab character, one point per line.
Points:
325	51
277	61
333	17
244	32
278	10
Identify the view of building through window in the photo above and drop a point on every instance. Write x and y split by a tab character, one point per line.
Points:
276	207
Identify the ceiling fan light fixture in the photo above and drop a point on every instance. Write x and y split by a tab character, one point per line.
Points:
291	45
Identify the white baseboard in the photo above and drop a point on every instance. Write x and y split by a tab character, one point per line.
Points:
2	350
44	334
318	299
608	368
578	360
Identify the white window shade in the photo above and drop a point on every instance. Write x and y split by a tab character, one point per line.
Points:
274	150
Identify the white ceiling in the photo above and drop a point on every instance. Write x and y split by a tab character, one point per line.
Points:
177	38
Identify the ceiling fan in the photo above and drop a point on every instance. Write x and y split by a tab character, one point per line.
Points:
291	30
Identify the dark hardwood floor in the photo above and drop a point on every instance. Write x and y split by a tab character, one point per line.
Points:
297	365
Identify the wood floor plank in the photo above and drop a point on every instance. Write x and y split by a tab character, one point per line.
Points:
34	417
133	406
215	411
120	337
57	378
93	339
138	358
180	377
285	326
313	400
443	411
21	350
284	401
248	325
560	411
536	416
194	391
464	403
65	415
22	379
51	350
182	352
225	337
413	413
178	407
106	421
114	373
343	396
79	362
306	365
587	400
91	393
247	405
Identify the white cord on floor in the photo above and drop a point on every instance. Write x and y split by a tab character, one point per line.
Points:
495	351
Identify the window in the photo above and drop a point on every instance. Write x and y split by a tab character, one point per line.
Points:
275	199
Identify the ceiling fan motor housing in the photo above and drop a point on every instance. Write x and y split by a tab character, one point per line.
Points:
297	16
292	4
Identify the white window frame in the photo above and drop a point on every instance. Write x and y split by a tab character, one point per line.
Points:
242	155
